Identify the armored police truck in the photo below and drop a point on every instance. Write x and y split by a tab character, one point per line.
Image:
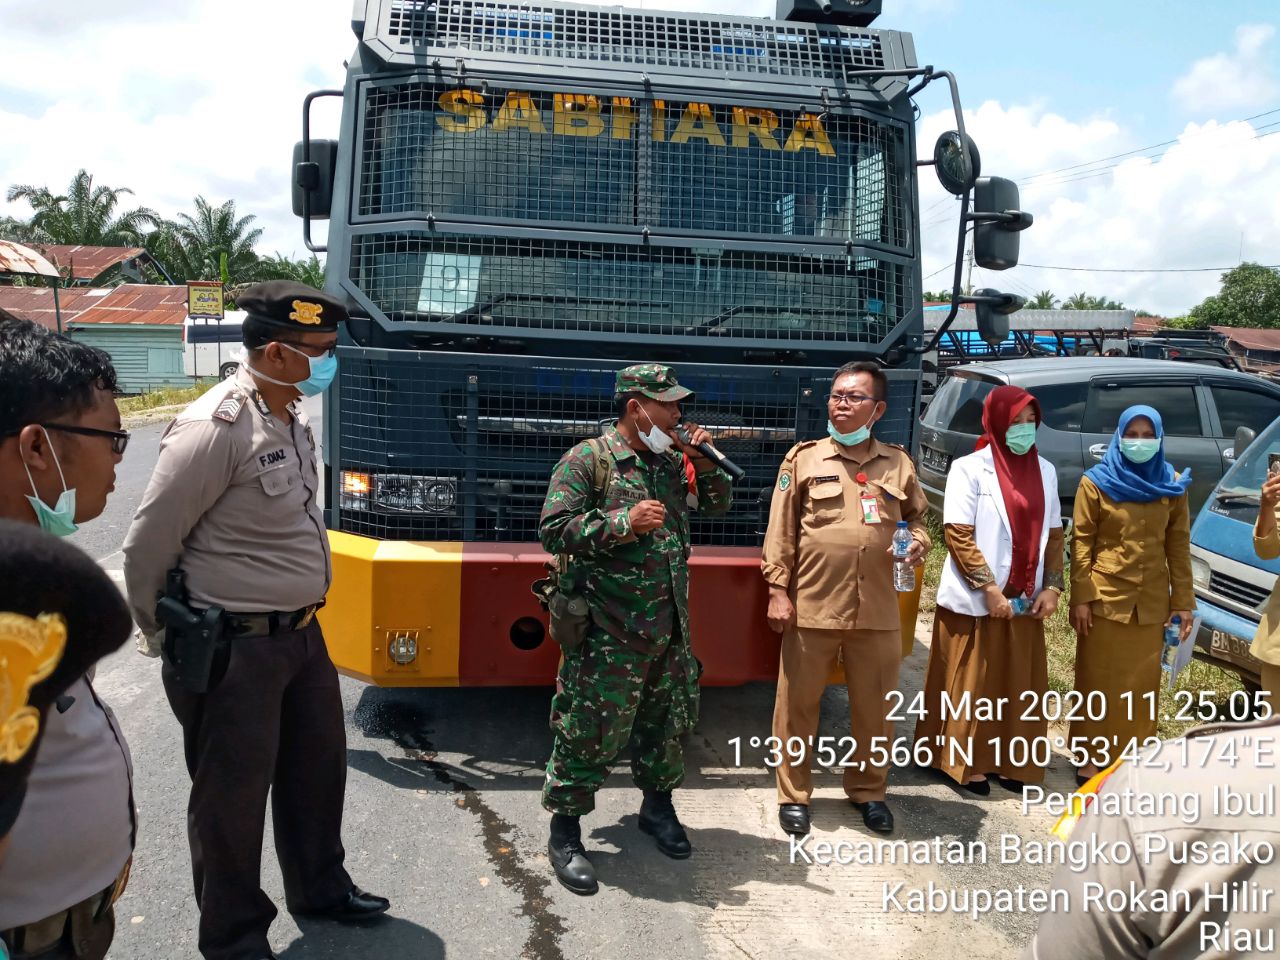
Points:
525	197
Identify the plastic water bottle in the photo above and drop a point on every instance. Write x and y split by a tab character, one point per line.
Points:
1172	640
1021	604
904	575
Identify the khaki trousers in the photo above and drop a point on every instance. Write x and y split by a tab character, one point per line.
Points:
871	662
1271	684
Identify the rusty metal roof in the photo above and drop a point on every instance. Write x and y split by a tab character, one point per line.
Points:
86	263
15	258
1251	338
138	303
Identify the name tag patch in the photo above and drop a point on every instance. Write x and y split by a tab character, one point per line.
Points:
272	458
870	509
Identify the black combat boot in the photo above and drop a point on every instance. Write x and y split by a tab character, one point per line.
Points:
658	819
569	857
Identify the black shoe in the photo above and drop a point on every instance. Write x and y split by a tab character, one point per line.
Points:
658	819
794	818
355	906
569	857
980	788
876	815
1010	784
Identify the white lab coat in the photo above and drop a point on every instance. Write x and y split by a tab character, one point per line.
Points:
973	498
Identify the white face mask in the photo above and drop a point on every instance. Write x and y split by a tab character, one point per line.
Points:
655	439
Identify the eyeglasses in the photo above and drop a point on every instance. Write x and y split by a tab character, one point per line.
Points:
306	348
119	438
849	399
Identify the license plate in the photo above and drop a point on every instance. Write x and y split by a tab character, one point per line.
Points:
934	460
1230	647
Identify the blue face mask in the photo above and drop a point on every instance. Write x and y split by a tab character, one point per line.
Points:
851	439
323	370
59	520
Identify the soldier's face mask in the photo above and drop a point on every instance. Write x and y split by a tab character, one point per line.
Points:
60	519
654	439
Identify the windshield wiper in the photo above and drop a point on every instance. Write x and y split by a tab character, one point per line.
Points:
481	308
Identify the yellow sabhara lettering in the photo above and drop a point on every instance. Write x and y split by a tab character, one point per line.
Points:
698	123
624	118
519	112
577	115
466	108
750	122
808	134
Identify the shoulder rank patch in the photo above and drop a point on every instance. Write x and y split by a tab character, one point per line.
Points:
230	408
784	482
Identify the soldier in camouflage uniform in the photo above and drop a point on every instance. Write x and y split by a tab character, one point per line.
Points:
634	679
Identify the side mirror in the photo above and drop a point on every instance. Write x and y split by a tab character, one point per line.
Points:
992	309
957	169
1244	436
997	221
313	173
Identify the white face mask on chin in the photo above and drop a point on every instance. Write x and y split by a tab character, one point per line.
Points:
656	440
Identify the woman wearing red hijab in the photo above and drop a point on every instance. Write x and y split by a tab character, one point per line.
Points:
1003	577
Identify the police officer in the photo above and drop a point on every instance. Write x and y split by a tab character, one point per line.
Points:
827	559
634	679
232	503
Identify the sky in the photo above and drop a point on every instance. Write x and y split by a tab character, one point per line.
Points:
178	98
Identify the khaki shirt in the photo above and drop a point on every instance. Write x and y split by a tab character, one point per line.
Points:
823	544
1128	557
1239	758
233	501
1266	640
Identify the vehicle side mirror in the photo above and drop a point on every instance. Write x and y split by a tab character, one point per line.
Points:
957	169
313	176
1244	436
997	223
991	309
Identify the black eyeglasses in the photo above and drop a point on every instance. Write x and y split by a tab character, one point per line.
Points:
119	438
306	348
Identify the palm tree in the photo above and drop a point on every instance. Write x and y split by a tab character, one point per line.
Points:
86	214
280	267
193	247
1044	300
1078	301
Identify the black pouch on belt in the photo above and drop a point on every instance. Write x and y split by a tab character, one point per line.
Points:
194	646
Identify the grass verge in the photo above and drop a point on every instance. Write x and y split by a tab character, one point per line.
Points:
1060	644
164	397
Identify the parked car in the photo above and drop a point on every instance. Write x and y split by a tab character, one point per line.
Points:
211	346
1081	399
1232	583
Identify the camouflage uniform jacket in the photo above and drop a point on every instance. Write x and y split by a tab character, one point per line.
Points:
636	585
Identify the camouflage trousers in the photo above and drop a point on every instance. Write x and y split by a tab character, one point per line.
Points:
609	695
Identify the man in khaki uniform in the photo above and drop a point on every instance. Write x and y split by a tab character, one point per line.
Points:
1197	838
828	562
232	503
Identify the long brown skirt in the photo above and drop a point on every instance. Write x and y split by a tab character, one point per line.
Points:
1114	659
995	662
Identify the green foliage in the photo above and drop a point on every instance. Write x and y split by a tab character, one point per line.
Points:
1250	297
1186	323
943	296
85	214
279	267
1044	300
1084	301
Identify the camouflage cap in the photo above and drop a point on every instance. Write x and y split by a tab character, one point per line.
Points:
654	380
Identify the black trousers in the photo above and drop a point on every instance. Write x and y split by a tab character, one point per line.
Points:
273	724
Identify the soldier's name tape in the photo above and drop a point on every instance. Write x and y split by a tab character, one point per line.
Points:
1260	752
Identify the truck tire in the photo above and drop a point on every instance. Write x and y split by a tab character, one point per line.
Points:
228	370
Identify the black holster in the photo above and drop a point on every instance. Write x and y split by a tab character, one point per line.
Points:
195	645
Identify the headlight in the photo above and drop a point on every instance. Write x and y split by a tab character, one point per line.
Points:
402	647
399	493
1200	573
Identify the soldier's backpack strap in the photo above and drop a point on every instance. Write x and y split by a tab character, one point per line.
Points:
603	467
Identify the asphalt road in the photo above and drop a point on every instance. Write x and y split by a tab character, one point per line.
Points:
443	816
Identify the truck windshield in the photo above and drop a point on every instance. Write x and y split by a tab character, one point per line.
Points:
1243	482
807	200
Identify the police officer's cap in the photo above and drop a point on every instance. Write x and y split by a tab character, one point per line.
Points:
289	305
653	380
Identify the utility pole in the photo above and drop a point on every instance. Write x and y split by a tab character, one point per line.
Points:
968	279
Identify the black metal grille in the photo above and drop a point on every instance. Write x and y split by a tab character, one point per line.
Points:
659	40
620	289
495	427
1238	590
615	162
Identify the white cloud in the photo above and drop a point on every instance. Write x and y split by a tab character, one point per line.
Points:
1190	207
1241	79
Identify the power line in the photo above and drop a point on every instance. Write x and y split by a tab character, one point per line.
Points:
1127	153
1045	266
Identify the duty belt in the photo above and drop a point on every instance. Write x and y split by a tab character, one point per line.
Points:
267	624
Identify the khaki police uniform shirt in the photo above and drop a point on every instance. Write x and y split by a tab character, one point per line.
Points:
1266	640
1241	758
233	501
831	521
